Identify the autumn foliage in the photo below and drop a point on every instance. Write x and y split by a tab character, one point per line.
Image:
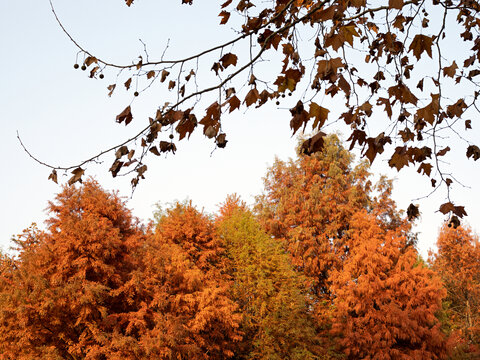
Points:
323	267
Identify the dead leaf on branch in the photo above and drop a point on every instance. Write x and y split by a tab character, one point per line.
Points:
412	212
77	176
53	176
474	152
225	15
421	43
228	59
314	144
125	115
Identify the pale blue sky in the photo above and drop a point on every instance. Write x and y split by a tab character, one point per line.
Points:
63	116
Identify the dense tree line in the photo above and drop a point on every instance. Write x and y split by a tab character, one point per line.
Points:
322	267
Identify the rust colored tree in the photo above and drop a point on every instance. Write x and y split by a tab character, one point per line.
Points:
386	300
187	288
458	263
70	293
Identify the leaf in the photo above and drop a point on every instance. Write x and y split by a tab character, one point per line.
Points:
164	75
171	85
125	115
450	70
234	103
313	144
122	150
111	88
446	208
221	140
154	150
228	59
90	60
129	2
77	176
426	168
128	83
474	152
395	4
319	113
412	212
443	151
53	176
421	43
116	167
225	15
400	158
150	74
252	97
468	124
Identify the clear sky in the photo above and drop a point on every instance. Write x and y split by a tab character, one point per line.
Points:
63	116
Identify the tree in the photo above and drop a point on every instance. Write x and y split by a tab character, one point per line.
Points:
308	204
186	287
74	291
387	61
276	323
386	301
457	262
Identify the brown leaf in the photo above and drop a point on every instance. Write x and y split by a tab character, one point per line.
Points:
468	124
125	115
252	97
77	176
228	59
221	140
129	2
473	151
395	4
171	85
164	75
111	88
421	43
90	60
450	70
446	208
313	144
166	146
225	15
426	168
400	158
116	167
154	150
443	151
234	103
53	176
122	150
319	113
150	74
128	83
412	212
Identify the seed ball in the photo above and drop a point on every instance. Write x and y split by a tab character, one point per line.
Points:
170	136
76	66
278	103
101	76
84	67
289	94
283	95
135	93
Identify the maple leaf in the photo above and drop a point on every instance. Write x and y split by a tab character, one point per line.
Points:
400	158
395	4
421	43
225	15
129	2
450	70
77	176
319	113
474	152
234	103
252	97
228	59
125	115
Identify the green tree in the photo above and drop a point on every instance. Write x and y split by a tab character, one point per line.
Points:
276	323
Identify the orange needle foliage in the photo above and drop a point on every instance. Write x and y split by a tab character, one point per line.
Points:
71	289
386	300
458	263
188	290
309	202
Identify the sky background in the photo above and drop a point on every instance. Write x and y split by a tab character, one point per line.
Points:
63	116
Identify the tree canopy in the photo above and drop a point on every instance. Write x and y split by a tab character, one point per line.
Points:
397	86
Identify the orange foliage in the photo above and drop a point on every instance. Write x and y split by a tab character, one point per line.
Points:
187	290
386	300
458	263
73	285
